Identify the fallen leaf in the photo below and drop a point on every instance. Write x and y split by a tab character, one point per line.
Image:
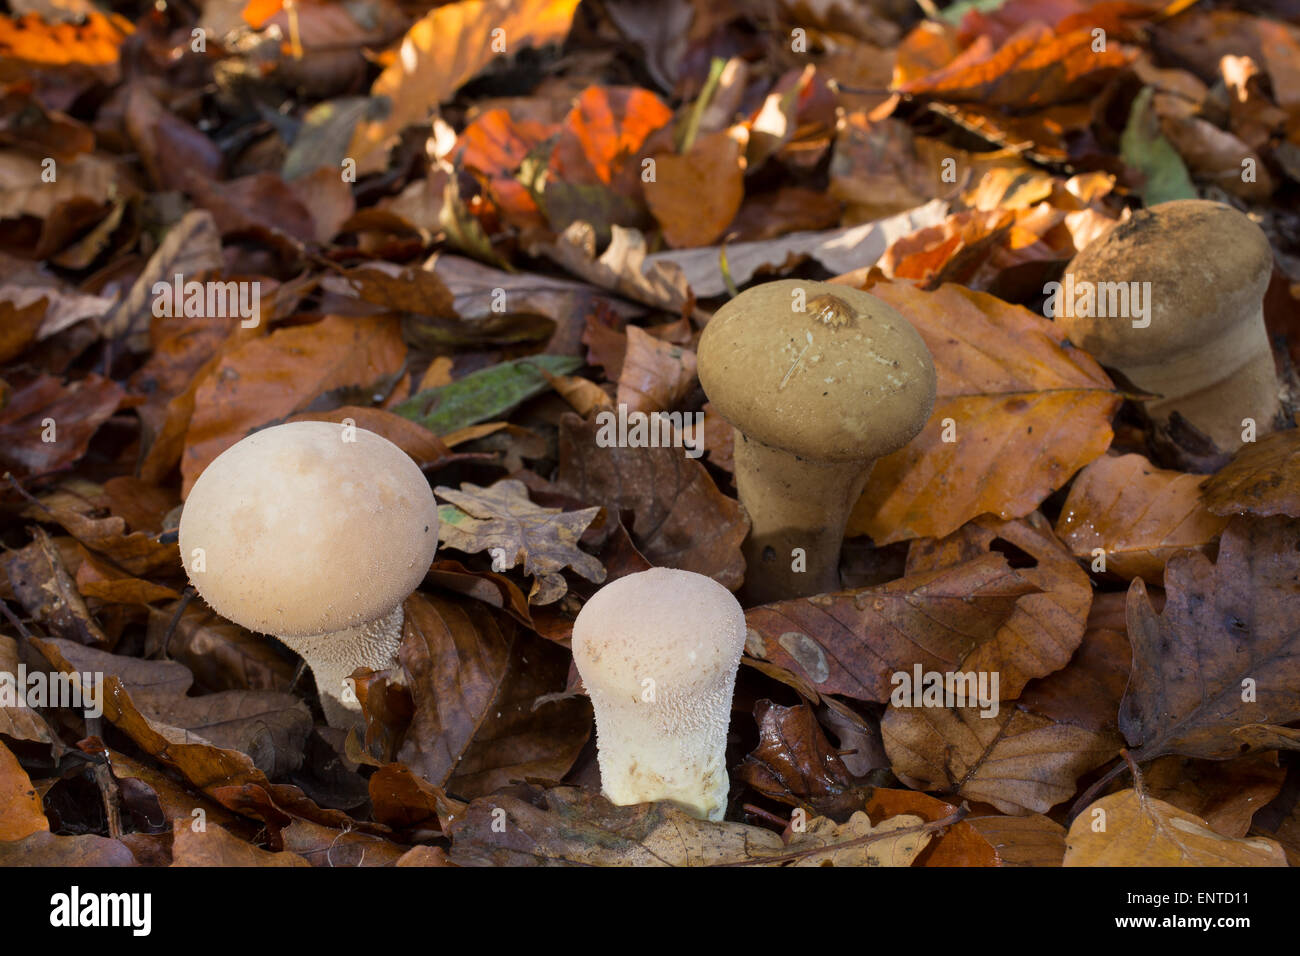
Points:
215	846
795	764
695	195
441	51
22	811
1033	840
680	519
46	425
856	642
485	394
1026	412
1138	514
1225	793
1144	147
655	375
1263	479
1140	830
502	521
1223	652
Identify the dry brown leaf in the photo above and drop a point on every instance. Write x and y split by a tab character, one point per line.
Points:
216	846
957	845
1263	479
1016	760
268	378
1025	411
502	521
854	642
1225	793
1130	828
1224	652
1045	629
1033	840
655	375
1140	515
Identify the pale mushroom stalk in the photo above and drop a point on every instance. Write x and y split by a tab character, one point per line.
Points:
1202	349
819	381
794	503
314	533
658	653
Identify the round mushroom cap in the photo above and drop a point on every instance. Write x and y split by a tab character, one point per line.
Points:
846	379
682	630
1208	266
305	531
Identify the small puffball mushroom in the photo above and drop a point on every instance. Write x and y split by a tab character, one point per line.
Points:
1202	346
658	652
315	533
815	397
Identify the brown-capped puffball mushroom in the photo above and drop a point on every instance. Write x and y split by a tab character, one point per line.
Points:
1201	346
818	380
658	652
315	533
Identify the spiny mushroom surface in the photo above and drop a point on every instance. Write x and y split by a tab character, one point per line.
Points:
1205	351
313	532
658	652
815	397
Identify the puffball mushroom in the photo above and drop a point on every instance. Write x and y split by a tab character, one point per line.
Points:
815	397
1205	351
658	652
315	533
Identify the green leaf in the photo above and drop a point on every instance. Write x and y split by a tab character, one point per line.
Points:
957	11
484	394
1145	148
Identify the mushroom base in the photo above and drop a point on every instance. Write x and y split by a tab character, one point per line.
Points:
334	656
1217	385
665	749
793	504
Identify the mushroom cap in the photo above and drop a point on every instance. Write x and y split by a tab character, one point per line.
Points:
847	379
682	630
1208	266
305	533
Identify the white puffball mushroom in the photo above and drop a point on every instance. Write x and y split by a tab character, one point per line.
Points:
658	652
315	533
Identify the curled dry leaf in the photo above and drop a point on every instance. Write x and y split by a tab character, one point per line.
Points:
1022	411
28	446
1225	793
855	642
1139	830
502	521
1224	652
795	764
1263	479
1138	514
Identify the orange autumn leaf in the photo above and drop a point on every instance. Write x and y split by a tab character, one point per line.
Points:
1034	67
1018	412
257	12
656	375
1140	515
96	42
602	137
442	51
695	196
493	146
269	378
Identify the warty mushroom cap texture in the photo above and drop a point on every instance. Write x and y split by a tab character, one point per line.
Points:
1208	266
848	379
306	533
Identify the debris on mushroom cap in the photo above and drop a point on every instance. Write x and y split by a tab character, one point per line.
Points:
846	379
658	652
304	532
1208	266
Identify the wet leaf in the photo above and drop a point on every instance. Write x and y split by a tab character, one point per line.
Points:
1140	515
1263	479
